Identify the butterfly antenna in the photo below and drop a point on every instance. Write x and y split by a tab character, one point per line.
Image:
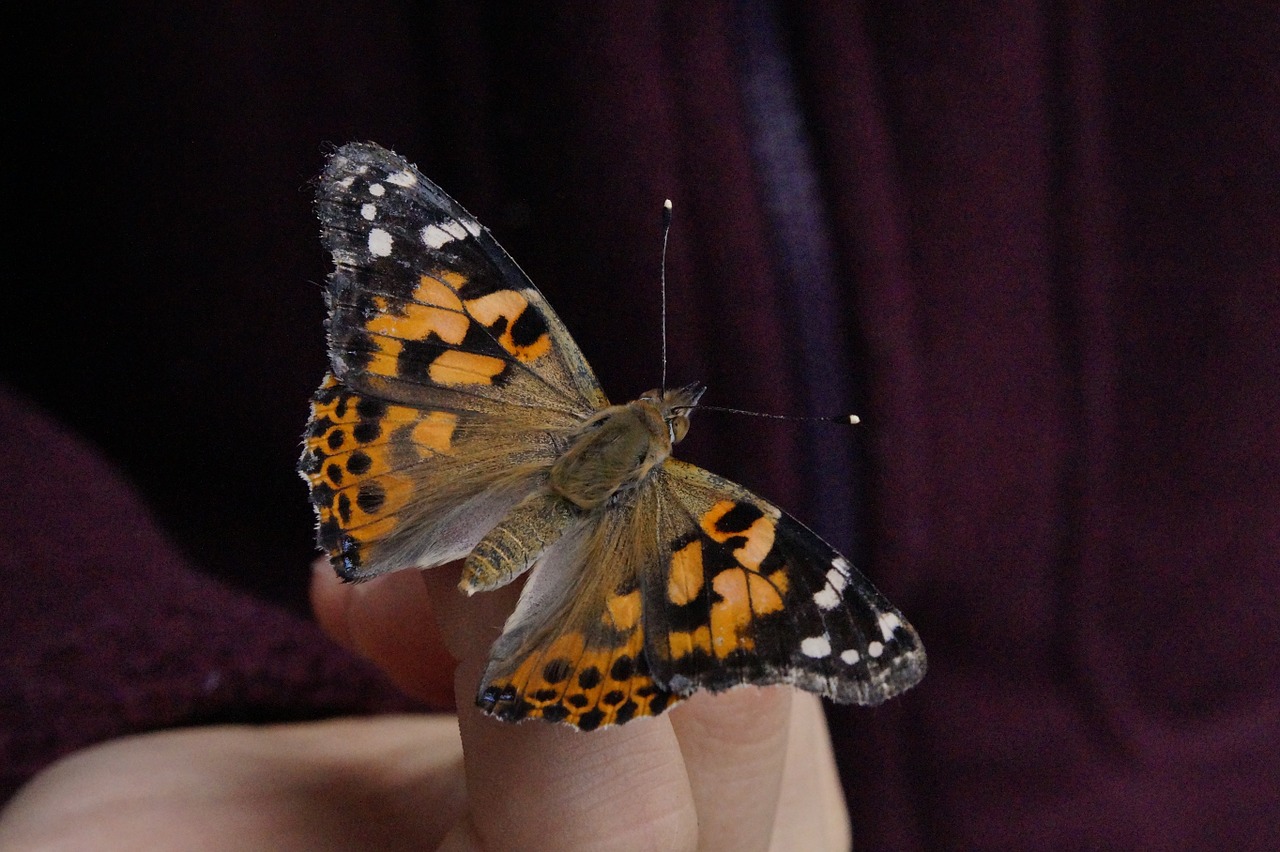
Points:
848	419
666	229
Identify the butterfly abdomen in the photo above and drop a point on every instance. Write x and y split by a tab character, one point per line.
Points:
515	544
613	450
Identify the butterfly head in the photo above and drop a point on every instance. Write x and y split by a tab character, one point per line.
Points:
676	404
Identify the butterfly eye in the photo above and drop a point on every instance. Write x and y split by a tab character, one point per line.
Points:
678	427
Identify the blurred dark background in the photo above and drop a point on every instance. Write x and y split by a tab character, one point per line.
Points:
1036	246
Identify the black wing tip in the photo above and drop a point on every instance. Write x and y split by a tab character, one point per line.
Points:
367	151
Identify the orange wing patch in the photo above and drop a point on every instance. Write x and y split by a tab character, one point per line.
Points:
728	519
456	368
442	291
739	538
356	452
434	431
685	583
509	307
455	332
414	321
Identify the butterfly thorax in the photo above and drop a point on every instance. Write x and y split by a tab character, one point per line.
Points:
611	453
616	448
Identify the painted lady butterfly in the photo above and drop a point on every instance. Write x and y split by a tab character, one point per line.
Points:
461	420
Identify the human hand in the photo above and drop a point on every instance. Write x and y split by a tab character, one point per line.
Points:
747	769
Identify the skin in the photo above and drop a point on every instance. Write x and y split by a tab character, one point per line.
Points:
748	769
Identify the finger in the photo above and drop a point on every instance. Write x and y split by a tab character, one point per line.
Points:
329	600
735	746
538	785
812	813
392	782
390	620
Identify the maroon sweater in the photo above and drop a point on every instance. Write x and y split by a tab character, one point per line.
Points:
1037	247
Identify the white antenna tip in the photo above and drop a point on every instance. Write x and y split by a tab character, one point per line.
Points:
854	419
666	205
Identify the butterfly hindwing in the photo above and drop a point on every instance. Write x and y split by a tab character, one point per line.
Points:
451	377
574	649
693	583
748	594
397	485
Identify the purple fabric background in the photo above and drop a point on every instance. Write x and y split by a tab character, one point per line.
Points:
1036	246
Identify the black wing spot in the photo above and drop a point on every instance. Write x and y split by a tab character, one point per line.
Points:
590	720
622	668
659	702
528	328
556	671
370	409
589	678
555	713
367	431
359	463
370	498
416	357
739	518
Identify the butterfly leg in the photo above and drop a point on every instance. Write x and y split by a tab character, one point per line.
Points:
510	548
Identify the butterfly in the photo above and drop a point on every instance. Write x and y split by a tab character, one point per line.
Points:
460	420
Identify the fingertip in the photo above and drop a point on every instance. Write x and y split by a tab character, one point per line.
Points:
812	812
329	600
735	747
538	785
391	621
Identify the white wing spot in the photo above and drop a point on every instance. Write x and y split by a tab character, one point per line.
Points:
377	190
826	598
837	580
446	232
850	656
842	565
405	178
472	226
368	211
875	649
888	622
816	646
346	182
435	236
379	242
829	596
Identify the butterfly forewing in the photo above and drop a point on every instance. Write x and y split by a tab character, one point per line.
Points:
451	376
425	304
